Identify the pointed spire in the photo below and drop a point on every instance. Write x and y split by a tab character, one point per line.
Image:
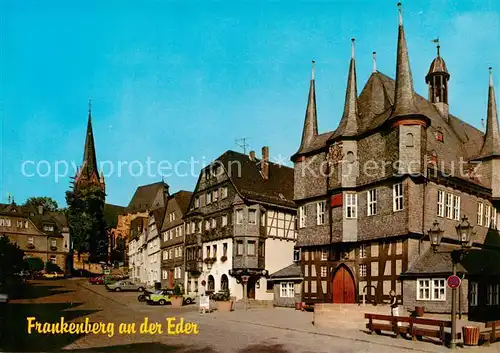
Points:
374	62
404	100
349	124
491	144
89	156
310	130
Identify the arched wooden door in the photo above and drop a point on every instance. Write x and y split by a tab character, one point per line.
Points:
343	287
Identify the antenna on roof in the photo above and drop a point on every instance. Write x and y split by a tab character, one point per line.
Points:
242	142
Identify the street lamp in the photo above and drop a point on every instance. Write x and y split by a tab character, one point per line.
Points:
464	234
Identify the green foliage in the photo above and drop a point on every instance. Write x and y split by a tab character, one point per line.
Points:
11	261
34	264
86	221
48	203
178	290
52	267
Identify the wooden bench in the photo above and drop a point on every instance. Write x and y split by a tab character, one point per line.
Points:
490	336
409	326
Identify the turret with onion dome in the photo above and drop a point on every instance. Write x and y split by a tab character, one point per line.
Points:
437	79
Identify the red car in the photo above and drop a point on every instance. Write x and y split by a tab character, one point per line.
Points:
96	280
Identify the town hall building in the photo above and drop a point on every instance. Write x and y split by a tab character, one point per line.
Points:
369	191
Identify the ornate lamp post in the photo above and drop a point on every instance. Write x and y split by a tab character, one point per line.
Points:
464	234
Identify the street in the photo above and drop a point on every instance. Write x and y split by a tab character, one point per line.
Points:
75	300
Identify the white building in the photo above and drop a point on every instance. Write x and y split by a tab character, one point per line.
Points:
153	261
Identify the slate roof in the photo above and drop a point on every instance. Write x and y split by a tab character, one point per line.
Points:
111	213
32	214
476	262
159	215
292	271
277	189
183	198
144	197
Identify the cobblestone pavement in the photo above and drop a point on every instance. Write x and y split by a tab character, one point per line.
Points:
255	330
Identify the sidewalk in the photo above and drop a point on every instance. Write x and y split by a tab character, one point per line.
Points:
290	319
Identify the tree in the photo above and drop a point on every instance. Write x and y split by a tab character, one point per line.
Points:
86	222
34	264
48	203
11	262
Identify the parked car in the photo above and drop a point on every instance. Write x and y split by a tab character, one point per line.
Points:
110	279
162	297
126	285
23	273
96	280
53	275
144	296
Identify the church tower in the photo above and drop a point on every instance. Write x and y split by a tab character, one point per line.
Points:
88	173
437	79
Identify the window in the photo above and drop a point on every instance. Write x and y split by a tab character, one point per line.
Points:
324	254
324	271
351	205
480	207
302	217
494	218
213	222
362	251
397	195
48	228
196	202
372	202
473	295
239	247
165	236
165	256
261	249
431	289
409	139
207	224
296	255
52	258
31	240
439	136
287	290
214	247
449	205
171	253
251	248
172	216
362	270
223	193
492	294
53	242
209	197
440	203
252	216
208	250
239	216
456	207
224	249
320	213
22	224
487	216
164	274
215	195
224	220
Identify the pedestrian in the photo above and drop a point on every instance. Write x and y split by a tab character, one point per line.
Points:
394	304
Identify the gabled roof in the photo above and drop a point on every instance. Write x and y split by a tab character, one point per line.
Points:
183	198
34	216
111	213
249	183
292	271
158	215
144	197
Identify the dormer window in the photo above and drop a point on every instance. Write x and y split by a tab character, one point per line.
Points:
439	135
48	228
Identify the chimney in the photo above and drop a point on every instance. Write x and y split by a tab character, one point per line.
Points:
264	164
251	155
40	209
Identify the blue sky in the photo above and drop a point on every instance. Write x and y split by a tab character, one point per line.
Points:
174	80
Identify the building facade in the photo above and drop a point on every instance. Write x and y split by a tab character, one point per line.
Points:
368	192
137	250
240	223
153	240
172	240
38	232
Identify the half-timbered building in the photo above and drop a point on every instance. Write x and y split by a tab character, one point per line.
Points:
241	222
368	192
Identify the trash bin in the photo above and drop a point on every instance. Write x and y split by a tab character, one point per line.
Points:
471	335
419	311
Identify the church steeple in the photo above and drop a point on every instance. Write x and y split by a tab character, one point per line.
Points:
310	130
404	99
491	144
349	124
89	173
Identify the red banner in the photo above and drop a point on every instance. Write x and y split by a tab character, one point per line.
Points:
336	200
